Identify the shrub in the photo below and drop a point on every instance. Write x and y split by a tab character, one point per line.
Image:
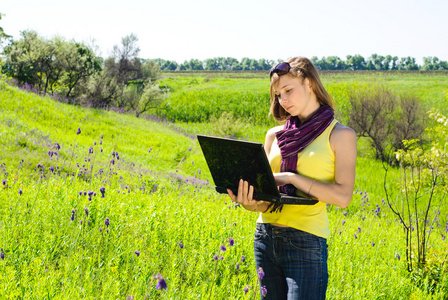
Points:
386	119
228	126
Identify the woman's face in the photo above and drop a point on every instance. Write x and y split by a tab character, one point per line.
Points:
296	96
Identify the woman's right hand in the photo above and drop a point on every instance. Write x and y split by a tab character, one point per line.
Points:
245	197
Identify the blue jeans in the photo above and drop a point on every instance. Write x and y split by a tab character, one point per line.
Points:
294	262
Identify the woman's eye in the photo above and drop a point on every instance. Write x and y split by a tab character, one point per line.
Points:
288	90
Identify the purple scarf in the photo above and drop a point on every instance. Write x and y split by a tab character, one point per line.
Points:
295	137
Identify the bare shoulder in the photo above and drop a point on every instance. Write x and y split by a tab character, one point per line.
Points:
271	132
342	137
270	137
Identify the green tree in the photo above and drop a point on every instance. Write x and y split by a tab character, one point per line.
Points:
80	62
394	63
432	63
356	62
212	64
407	63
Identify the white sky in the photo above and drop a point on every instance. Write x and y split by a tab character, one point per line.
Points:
180	29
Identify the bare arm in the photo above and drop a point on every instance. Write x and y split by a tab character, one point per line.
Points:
343	143
269	139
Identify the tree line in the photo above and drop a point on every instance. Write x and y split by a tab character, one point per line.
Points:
352	63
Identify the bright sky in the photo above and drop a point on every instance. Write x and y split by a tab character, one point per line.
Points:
180	30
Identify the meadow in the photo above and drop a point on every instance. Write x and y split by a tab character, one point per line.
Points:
99	205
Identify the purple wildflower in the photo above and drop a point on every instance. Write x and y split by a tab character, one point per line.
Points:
215	257
2	255
237	266
79	131
246	289
345	213
180	244
397	256
112	161
20	192
260	273
73	215
161	283
221	257
107	222
102	191
264	291
243	258
101	136
343	222
223	248
373	244
359	229
150	149
101	229
91	150
355	235
137	253
86	210
231	242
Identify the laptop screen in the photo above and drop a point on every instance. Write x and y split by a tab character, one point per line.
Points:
231	160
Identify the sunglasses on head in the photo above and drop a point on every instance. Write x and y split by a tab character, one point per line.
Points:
282	69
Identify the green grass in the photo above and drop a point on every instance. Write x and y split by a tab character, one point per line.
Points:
156	199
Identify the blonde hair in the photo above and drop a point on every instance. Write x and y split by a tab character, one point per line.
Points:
307	70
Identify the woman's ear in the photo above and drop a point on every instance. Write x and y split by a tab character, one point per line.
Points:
309	85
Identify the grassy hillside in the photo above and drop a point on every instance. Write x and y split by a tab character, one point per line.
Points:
159	214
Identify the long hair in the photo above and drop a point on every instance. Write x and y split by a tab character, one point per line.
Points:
307	70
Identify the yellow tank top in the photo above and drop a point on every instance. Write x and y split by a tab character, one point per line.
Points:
317	162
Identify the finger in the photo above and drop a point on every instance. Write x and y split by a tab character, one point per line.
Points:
251	192
239	197
245	190
231	194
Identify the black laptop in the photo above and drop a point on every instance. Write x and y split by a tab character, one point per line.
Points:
231	160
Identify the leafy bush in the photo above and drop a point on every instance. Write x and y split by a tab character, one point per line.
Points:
228	126
385	118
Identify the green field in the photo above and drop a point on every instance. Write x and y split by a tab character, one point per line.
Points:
163	214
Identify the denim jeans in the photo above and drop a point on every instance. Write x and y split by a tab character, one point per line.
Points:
294	263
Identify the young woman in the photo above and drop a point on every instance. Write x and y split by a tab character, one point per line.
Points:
311	153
